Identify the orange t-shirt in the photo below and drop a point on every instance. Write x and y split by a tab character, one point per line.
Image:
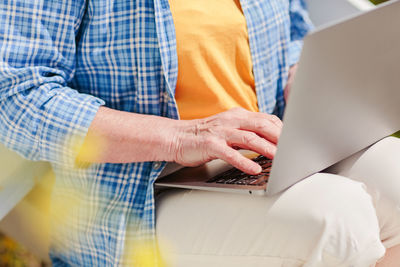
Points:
214	59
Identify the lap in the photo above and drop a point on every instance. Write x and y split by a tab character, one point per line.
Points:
296	227
324	220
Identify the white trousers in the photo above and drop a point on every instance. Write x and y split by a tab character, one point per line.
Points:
324	220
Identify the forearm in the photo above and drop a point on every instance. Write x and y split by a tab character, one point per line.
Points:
121	137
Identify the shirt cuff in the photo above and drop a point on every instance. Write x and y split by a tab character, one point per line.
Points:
65	126
295	48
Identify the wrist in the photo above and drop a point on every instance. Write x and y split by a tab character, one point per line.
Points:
180	132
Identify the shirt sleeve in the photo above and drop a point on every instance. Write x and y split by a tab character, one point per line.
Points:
300	25
42	118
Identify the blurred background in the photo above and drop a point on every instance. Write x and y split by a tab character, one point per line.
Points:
376	2
23	236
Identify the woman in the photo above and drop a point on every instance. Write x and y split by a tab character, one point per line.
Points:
121	73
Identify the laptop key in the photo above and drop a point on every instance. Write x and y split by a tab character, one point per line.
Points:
235	176
262	180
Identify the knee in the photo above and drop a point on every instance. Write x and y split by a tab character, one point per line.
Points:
336	216
325	197
379	168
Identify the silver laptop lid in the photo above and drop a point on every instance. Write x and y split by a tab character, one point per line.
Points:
345	97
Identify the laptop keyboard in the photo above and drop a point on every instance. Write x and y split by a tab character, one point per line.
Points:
237	177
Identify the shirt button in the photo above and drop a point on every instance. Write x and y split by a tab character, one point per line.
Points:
157	165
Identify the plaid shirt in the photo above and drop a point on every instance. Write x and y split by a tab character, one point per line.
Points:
61	60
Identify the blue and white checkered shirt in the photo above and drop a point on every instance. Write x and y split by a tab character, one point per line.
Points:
62	59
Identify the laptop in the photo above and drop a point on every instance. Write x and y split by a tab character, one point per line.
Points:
345	97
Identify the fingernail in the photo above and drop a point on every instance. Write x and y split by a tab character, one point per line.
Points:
257	169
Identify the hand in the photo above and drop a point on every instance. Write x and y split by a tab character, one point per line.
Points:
292	73
123	137
199	141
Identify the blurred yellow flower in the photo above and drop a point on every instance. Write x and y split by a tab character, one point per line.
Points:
90	151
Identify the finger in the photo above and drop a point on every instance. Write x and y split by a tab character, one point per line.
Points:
274	119
251	141
237	115
263	127
237	160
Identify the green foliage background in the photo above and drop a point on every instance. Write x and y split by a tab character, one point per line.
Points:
378	1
